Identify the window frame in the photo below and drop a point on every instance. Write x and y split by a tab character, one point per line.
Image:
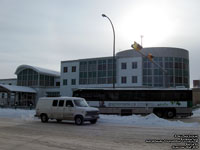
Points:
123	80
73	68
61	103
123	65
55	103
134	78
134	65
64	81
66	104
65	69
73	81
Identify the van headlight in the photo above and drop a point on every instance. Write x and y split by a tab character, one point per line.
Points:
83	112
86	113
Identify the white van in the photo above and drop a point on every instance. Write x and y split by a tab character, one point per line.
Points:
66	108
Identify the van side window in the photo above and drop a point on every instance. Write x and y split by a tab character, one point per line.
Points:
55	102
69	103
61	103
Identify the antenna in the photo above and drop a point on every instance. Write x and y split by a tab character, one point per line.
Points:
141	39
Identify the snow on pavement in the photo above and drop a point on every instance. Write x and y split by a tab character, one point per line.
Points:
149	120
134	120
22	114
196	113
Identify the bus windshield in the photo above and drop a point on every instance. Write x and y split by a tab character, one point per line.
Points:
80	103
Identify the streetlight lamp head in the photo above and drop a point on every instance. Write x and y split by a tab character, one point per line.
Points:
103	15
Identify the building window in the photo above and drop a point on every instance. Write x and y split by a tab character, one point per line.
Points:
27	77
123	80
123	65
57	83
2	96
65	69
97	71
134	65
73	68
134	79
73	82
53	94
65	82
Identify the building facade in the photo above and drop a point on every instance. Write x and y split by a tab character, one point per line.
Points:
31	83
11	81
130	70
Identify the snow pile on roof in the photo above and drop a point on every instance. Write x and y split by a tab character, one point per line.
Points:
134	120
149	120
15	88
196	113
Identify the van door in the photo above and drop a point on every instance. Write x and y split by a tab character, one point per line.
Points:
54	107
69	110
60	109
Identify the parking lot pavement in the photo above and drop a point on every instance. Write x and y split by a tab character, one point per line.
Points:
33	135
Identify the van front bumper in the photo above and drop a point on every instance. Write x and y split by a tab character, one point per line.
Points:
88	118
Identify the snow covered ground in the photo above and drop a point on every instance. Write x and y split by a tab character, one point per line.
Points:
149	120
196	113
17	114
134	120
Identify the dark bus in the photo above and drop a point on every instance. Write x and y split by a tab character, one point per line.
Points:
124	101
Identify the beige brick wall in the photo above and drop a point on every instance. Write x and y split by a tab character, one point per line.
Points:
196	96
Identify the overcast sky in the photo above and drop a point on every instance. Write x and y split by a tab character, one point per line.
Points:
44	32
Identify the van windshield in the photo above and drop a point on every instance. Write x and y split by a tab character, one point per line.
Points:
80	103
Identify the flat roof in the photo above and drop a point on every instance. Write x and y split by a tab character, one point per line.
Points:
132	89
8	79
14	88
88	59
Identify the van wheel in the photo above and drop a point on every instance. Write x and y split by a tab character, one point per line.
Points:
44	118
78	120
93	121
58	120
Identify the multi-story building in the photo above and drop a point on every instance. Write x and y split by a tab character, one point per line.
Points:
130	70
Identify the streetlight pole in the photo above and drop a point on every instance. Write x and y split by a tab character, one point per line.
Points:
103	15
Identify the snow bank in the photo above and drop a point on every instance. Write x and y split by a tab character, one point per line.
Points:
134	120
17	114
149	120
196	113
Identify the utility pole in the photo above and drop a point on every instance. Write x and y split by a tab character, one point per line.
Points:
103	15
